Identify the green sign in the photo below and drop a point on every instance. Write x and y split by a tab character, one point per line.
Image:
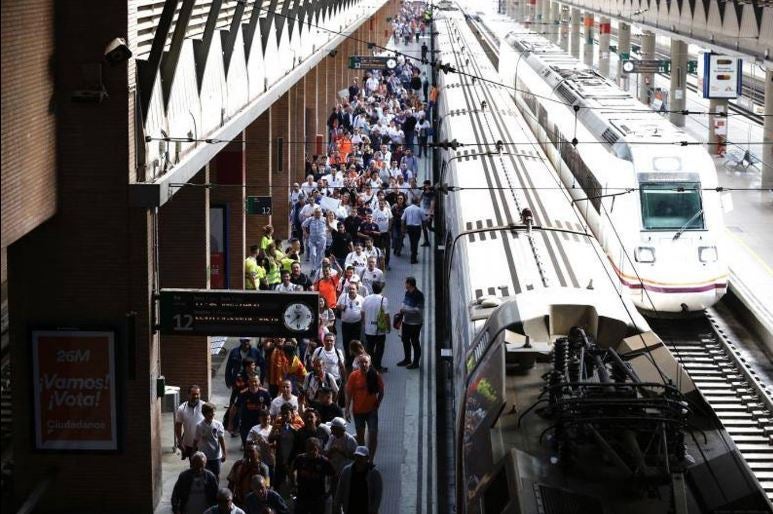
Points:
260	205
646	66
692	67
625	56
207	312
371	62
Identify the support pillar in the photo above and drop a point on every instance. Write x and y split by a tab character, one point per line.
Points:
563	39
605	29
531	12
281	150
259	176
576	19
623	52
183	230
546	21
555	20
717	126
587	48
677	98
767	133
297	147
311	106
646	80
227	172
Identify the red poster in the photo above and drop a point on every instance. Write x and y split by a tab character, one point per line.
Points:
74	390
216	270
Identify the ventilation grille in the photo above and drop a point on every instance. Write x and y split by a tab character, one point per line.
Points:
558	501
567	95
610	137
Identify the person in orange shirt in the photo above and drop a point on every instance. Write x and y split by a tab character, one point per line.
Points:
327	285
364	392
344	147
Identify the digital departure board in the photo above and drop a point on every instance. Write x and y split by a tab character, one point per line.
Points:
238	313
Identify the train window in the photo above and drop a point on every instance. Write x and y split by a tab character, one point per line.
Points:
671	206
483	403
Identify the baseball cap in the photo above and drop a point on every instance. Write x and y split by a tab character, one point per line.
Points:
244	339
362	451
338	423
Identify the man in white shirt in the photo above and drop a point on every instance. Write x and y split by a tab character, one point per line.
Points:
332	358
350	307
371	275
375	338
413	217
356	259
309	185
186	418
286	286
210	439
372	251
285	396
395	170
382	216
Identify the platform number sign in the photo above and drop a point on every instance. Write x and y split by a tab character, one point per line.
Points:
260	205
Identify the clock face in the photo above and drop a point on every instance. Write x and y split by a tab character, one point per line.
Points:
628	66
391	63
298	317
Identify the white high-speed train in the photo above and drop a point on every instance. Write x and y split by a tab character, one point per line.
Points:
563	399
648	200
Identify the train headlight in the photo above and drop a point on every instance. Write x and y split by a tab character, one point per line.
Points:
644	254
707	253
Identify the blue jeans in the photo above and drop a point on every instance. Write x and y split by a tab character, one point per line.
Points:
316	252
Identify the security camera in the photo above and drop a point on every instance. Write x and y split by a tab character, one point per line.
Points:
117	51
333	53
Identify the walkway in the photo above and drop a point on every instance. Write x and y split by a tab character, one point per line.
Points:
407	445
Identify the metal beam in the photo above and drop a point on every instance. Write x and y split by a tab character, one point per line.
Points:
157	193
148	70
230	37
172	57
201	46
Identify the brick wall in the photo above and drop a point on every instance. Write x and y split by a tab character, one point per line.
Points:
183	263
88	266
28	132
280	180
258	158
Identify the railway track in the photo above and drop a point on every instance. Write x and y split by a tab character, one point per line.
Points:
741	399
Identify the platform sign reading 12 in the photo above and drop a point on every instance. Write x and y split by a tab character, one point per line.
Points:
238	313
721	76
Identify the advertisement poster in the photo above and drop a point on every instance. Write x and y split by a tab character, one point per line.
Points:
722	76
74	390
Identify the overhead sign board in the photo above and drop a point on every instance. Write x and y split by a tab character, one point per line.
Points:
74	390
372	62
238	313
721	76
259	205
646	66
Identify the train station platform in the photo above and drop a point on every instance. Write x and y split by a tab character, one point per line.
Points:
406	442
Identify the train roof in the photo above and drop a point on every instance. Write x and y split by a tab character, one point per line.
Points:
617	117
491	187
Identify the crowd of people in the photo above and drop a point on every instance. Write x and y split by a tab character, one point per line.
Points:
292	400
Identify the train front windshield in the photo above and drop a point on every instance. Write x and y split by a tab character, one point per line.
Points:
671	206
